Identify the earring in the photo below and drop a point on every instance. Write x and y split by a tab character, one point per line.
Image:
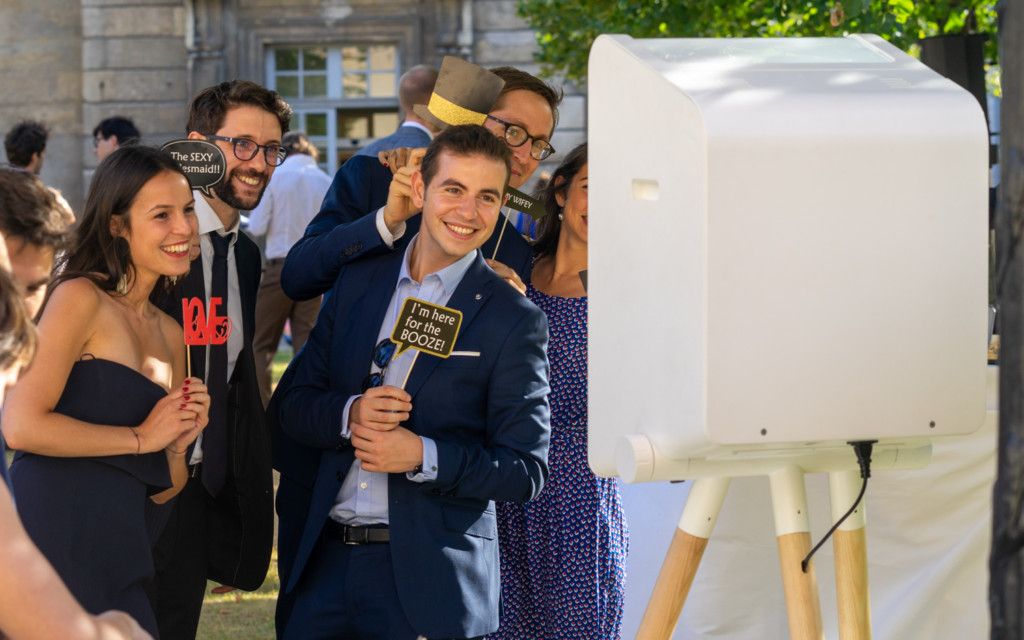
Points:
122	284
561	216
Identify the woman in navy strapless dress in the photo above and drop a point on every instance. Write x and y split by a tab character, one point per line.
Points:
103	417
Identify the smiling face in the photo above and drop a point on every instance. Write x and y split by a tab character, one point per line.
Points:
573	201
162	223
460	206
245	180
530	111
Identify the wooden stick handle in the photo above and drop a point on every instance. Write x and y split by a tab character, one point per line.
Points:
501	234
409	371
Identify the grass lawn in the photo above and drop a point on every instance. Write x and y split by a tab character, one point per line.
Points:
240	614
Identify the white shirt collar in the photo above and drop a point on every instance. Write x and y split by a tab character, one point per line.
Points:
411	123
208	219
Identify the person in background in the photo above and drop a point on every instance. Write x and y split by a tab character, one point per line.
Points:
289	203
25	145
113	133
414	87
33	226
563	554
86	468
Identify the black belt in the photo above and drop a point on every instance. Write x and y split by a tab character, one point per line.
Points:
372	534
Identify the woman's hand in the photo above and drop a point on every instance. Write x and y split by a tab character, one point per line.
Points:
174	416
195	398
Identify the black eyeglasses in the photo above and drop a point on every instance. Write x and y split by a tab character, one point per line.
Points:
382	354
246	150
517	136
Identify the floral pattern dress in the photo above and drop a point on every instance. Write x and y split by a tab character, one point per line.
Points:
563	554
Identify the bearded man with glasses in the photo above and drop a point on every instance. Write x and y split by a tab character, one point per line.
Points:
230	487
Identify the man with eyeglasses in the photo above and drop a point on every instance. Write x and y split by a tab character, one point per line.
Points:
355	221
221	525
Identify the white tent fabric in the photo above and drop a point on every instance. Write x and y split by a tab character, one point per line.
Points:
928	537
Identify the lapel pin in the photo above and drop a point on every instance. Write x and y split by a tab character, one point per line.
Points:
477	296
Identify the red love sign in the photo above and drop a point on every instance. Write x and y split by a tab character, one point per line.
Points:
202	327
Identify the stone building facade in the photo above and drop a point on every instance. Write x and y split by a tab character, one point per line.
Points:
73	63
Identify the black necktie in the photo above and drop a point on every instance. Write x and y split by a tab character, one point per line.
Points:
215	436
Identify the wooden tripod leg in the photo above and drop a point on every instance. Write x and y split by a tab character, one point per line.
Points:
683	558
792	530
849	544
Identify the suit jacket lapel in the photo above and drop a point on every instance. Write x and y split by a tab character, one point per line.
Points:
361	324
469	297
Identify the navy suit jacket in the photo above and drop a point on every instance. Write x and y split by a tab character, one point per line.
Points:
345	229
488	415
404	136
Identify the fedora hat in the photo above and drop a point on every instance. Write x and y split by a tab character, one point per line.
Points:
463	94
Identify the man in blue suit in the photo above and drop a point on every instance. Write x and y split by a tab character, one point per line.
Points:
399	537
352	221
414	87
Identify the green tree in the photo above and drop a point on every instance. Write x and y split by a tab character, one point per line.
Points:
566	28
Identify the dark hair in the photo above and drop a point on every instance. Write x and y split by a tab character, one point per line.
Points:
465	140
550	225
98	254
26	138
29	211
123	128
17	333
517	80
210	106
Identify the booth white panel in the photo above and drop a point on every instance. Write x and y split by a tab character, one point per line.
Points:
788	246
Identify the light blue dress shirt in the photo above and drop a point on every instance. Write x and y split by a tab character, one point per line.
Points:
363	497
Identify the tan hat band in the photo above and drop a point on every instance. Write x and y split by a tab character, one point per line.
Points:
453	114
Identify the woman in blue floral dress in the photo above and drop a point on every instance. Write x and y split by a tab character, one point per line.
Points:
563	555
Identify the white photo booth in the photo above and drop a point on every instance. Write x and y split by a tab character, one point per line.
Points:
788	251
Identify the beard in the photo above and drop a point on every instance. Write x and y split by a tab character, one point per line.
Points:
225	190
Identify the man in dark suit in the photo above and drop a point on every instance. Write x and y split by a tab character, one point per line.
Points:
352	220
397	533
414	87
221	525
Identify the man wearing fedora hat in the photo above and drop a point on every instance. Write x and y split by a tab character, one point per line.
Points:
354	220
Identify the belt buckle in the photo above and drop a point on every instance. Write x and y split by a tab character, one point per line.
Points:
350	538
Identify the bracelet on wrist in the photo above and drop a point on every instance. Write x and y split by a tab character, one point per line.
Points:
138	440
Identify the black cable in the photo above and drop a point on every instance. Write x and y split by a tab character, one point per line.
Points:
863	451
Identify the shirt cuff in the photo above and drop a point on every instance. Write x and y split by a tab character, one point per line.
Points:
385	233
346	432
428	470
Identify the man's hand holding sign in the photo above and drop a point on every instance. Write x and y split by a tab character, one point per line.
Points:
381	443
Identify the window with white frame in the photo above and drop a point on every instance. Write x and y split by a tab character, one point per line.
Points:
343	96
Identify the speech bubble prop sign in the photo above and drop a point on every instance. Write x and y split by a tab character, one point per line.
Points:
527	204
427	328
203	162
